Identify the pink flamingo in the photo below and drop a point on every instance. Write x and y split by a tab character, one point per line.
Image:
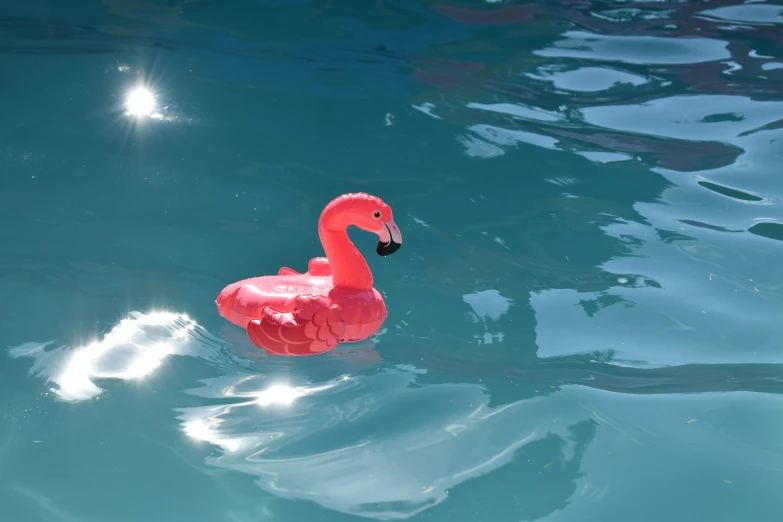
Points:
333	302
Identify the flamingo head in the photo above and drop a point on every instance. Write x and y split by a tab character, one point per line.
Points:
367	212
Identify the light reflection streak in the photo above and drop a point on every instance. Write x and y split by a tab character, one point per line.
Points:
132	350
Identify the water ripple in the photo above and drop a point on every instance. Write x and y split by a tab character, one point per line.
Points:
360	445
636	49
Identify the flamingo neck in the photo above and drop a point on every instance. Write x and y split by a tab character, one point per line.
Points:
349	269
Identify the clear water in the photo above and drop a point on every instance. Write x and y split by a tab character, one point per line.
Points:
585	316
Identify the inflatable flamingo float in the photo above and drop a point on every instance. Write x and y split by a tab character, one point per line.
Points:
333	302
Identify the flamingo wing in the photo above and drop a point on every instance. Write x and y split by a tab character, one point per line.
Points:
316	325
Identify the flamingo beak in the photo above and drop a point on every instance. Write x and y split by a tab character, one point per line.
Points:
391	238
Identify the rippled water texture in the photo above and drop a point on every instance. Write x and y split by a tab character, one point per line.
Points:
584	318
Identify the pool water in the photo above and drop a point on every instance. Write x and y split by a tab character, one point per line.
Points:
584	317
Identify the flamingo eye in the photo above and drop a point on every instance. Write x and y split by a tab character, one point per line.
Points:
376	214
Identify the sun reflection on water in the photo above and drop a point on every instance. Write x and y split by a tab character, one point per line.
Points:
132	350
141	102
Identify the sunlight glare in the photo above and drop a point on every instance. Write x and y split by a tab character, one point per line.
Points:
281	394
131	351
140	102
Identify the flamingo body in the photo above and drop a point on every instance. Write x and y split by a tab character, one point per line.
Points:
333	302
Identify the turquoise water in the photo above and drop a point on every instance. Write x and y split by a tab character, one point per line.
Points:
584	318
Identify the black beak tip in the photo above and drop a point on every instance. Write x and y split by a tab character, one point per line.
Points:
384	249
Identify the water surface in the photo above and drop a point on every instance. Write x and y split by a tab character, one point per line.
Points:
584	318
